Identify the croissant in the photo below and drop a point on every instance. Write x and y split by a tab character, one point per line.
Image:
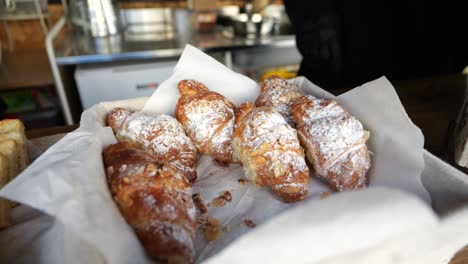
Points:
270	152
155	201
162	136
208	119
334	140
278	93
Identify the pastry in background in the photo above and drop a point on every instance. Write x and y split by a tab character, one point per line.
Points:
335	142
9	149
161	135
156	201
14	159
5	208
270	152
278	93
208	119
14	129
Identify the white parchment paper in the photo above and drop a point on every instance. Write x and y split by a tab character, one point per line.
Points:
68	182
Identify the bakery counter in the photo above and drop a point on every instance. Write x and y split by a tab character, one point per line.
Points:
77	48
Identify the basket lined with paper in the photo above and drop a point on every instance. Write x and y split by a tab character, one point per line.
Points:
277	161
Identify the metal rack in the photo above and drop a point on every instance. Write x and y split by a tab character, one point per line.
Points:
15	10
54	67
55	70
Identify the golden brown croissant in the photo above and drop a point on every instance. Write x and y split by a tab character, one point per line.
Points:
270	152
161	135
335	142
277	93
208	119
155	201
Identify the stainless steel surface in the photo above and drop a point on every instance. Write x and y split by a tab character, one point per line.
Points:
155	22
253	26
82	49
227	14
97	17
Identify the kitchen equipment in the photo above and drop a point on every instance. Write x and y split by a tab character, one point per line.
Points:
203	14
227	14
116	82
204	21
148	23
253	26
97	17
253	23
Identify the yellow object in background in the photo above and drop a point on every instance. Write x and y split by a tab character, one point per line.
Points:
285	72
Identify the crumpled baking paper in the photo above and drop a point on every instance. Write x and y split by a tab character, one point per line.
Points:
68	183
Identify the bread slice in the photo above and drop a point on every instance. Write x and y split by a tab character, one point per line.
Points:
14	129
5	208
9	149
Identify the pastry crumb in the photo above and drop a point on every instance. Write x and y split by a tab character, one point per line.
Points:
324	195
212	229
221	164
218	202
249	223
226	195
242	181
222	199
199	203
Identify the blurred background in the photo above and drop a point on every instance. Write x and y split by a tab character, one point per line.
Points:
60	57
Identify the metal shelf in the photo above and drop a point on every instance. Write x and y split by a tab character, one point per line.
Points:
23	16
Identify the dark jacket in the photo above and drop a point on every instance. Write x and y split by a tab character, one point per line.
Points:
347	43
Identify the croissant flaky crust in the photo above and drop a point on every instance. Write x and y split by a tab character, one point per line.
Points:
334	140
155	201
208	119
278	93
270	152
161	135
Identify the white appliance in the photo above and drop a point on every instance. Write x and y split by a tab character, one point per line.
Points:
108	83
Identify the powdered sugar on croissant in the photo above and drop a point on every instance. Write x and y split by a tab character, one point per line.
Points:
335	142
270	152
161	135
208	119
278	93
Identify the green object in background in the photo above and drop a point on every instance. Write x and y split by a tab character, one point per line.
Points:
19	101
